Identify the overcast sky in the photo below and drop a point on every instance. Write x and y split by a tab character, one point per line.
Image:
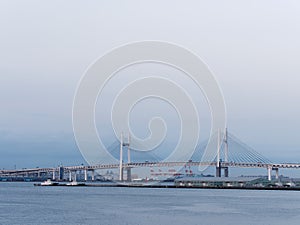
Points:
253	48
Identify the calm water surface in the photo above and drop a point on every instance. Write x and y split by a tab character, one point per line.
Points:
22	203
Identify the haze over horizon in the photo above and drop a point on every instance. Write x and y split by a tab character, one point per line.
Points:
253	49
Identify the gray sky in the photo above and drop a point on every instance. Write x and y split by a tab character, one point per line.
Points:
253	48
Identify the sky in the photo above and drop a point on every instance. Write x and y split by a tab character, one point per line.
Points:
252	48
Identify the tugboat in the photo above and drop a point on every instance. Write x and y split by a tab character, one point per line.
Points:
47	183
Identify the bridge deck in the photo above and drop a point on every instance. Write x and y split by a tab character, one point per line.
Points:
154	164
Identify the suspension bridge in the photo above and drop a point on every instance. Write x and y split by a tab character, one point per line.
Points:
231	153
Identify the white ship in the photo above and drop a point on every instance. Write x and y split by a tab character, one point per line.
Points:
48	183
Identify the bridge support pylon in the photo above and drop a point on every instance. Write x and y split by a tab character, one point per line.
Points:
70	175
75	175
128	174
121	169
121	175
121	159
219	166
93	175
276	173
85	175
269	173
270	169
226	171
53	175
219	171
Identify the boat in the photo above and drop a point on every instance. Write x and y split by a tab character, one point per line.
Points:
75	183
48	183
290	184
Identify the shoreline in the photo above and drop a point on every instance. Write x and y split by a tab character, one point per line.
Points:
154	186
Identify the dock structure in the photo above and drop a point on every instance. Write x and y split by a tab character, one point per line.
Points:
216	181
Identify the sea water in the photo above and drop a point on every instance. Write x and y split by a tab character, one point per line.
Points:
23	203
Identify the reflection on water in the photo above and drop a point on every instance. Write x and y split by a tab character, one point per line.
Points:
22	203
